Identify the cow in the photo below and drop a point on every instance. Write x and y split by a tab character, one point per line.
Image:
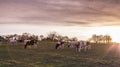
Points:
83	45
30	43
12	41
59	44
72	44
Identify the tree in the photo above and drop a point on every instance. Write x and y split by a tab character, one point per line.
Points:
107	39
66	38
74	39
101	38
59	37
2	39
25	36
33	37
94	38
52	35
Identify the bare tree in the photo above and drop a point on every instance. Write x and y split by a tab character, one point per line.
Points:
107	39
74	39
101	38
52	35
66	38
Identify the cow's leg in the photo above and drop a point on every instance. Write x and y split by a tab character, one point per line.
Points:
76	49
79	49
62	46
85	48
68	45
25	46
89	47
57	45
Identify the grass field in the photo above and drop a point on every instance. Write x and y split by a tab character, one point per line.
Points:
46	56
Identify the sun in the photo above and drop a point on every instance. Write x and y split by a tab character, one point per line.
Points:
113	31
115	38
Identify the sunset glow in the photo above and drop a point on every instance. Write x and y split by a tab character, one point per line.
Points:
71	31
80	18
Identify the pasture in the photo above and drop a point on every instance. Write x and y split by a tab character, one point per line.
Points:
47	56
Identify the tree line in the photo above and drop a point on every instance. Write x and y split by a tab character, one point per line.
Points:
101	38
54	36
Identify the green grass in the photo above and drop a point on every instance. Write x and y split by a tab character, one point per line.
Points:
46	56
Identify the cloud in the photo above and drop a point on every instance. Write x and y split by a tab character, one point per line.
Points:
61	12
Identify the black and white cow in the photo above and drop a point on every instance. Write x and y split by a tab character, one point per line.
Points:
30	43
59	44
83	45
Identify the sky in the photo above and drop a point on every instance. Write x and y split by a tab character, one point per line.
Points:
80	18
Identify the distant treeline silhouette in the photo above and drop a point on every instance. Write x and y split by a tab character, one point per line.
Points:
101	38
54	36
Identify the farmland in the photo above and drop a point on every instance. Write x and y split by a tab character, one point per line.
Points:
45	55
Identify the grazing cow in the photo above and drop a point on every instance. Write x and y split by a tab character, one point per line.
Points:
85	45
59	44
30	43
12	41
72	43
79	46
25	41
